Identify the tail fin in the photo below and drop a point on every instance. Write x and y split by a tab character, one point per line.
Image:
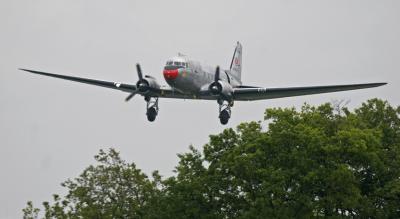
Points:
236	63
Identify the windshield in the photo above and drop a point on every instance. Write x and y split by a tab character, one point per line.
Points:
176	64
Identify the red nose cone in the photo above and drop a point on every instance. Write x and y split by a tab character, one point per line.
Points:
170	74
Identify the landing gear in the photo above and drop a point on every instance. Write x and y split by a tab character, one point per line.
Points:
152	108
224	111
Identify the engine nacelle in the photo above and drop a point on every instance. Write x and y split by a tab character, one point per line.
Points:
221	88
152	81
147	83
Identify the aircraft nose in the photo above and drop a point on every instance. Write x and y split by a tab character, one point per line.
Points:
170	74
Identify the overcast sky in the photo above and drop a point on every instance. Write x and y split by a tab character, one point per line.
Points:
50	129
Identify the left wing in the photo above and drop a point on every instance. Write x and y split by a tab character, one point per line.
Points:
270	93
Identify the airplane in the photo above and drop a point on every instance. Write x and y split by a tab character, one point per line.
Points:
188	79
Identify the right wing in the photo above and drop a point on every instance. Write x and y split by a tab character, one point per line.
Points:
164	92
270	93
113	85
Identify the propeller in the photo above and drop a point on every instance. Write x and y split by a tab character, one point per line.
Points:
142	85
139	71
216	79
129	97
215	87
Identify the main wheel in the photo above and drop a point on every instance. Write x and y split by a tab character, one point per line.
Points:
151	114
224	117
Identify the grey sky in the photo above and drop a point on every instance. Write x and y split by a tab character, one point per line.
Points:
50	129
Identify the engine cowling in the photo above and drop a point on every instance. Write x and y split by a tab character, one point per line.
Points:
221	88
146	84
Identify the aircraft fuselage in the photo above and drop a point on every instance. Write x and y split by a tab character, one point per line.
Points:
190	77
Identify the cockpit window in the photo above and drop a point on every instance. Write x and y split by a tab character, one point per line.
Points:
178	64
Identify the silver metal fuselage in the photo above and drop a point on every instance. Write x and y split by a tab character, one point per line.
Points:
193	78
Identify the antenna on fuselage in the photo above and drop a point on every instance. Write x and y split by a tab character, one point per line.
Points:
181	54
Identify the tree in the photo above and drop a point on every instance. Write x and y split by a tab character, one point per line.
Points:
318	161
111	189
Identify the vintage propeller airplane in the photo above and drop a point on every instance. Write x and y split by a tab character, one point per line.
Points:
188	79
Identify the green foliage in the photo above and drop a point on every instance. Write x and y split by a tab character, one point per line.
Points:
111	189
320	161
30	212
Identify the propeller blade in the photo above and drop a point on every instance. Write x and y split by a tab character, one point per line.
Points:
129	97
139	71
216	79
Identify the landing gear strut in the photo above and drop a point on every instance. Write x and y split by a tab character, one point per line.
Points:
152	108
224	111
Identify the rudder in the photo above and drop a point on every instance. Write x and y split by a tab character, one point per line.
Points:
236	63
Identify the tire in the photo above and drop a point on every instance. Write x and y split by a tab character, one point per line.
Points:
151	114
224	117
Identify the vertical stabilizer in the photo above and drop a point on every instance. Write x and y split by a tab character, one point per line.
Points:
236	63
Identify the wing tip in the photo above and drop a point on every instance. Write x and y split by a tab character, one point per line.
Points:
380	84
24	69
